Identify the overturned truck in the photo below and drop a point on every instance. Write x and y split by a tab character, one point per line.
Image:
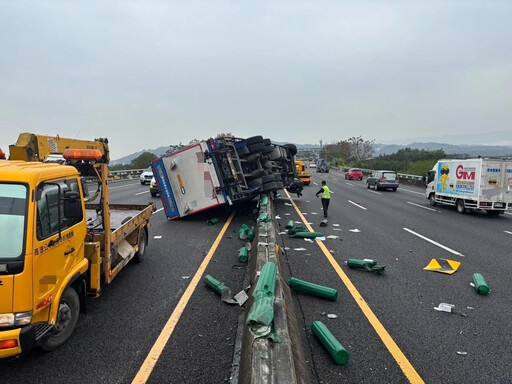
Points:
224	170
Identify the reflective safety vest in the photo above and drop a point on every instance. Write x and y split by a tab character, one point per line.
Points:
327	192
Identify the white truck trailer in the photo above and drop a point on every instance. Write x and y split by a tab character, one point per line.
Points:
484	184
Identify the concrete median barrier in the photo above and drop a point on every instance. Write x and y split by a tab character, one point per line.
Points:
273	354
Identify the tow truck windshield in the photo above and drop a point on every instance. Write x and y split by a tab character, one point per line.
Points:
13	210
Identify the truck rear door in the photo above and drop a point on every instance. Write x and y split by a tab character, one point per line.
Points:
187	181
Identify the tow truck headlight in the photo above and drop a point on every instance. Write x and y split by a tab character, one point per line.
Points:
6	319
23	318
15	319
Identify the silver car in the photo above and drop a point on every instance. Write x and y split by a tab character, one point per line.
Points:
383	180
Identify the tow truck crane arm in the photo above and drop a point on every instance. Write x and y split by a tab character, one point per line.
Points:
35	147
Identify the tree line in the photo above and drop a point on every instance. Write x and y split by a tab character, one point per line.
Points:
357	152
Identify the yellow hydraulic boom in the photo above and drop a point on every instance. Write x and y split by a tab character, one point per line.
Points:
34	147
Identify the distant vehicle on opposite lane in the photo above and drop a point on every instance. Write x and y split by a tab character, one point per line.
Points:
383	180
312	165
354	174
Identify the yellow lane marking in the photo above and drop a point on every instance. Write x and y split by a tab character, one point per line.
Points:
386	338
149	363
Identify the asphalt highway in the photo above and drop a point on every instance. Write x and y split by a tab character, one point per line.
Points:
158	323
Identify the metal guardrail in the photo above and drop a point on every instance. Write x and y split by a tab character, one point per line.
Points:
125	174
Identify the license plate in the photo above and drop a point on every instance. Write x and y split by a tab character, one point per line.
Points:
498	205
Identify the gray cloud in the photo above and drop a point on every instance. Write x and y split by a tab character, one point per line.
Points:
146	74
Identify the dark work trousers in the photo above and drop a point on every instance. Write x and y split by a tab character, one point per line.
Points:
325	205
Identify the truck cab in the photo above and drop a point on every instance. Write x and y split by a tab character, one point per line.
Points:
42	232
56	249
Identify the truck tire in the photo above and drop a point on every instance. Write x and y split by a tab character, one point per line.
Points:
255	174
67	318
143	242
292	148
267	142
243	151
459	204
270	186
268	178
253	140
432	199
255	148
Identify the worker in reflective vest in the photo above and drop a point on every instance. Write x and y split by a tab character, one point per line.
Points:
326	196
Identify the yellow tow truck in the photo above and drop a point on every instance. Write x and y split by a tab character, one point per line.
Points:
302	172
56	247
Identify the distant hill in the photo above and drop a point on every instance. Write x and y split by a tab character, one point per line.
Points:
160	151
449	149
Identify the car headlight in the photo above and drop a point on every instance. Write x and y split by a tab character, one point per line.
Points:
15	319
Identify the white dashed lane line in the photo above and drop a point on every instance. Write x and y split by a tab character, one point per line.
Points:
357	205
421	206
434	242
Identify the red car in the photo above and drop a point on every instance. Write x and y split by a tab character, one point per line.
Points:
354	174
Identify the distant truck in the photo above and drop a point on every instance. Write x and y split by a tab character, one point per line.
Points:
322	166
55	248
484	184
223	171
302	172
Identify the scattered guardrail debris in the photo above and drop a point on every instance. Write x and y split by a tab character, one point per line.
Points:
479	284
243	255
366	264
312	288
220	288
338	353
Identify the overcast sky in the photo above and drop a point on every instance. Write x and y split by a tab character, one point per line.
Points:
150	73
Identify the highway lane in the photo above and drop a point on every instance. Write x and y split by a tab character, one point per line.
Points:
403	299
114	338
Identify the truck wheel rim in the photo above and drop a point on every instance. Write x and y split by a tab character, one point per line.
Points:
63	318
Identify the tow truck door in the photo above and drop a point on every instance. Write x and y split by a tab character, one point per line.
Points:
58	243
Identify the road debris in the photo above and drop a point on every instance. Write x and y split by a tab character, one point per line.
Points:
220	288
443	266
298	285
445	307
212	221
333	346
354	230
324	223
479	284
462	353
366	264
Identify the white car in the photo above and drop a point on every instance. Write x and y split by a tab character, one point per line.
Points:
146	176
